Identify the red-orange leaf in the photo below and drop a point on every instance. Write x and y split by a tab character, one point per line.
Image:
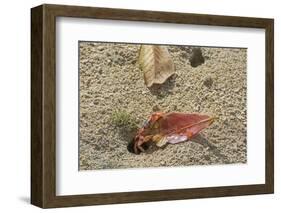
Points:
173	127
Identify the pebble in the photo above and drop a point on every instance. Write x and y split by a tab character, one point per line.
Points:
236	89
100	48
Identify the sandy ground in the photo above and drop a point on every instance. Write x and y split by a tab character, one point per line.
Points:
110	79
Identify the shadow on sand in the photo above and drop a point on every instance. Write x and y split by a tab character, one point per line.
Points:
165	89
200	139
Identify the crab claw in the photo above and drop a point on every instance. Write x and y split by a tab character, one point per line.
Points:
138	144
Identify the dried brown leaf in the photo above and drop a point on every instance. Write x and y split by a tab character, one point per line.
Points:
156	64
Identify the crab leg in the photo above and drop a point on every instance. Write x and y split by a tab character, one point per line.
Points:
142	140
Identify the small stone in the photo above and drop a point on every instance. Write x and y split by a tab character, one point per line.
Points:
100	48
237	89
109	62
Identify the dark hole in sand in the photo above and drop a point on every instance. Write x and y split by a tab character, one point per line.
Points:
196	58
130	147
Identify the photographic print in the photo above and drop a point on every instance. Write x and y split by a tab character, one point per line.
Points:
148	105
196	102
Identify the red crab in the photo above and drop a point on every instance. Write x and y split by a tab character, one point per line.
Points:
174	127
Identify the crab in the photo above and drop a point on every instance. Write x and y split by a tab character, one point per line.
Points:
169	128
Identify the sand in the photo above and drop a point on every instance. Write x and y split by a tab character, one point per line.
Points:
110	80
